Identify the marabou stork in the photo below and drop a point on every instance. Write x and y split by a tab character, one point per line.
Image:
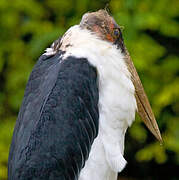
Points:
80	99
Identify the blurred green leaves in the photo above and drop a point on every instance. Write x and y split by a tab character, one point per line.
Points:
153	150
6	130
151	34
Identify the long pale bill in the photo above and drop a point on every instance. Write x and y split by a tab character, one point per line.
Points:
143	105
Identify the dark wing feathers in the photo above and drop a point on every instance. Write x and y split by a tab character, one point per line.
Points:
57	122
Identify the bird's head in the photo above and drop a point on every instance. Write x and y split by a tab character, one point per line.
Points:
104	26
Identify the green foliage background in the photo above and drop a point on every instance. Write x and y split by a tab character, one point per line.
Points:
151	34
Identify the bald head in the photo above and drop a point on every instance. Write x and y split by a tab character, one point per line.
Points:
104	26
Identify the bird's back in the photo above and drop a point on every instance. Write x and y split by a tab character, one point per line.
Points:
57	122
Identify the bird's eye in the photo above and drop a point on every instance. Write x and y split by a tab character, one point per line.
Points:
116	32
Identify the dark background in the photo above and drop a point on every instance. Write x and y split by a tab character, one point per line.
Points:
151	34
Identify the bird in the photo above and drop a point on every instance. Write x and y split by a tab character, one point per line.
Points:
81	96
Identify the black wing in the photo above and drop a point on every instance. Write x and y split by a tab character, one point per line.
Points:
57	122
